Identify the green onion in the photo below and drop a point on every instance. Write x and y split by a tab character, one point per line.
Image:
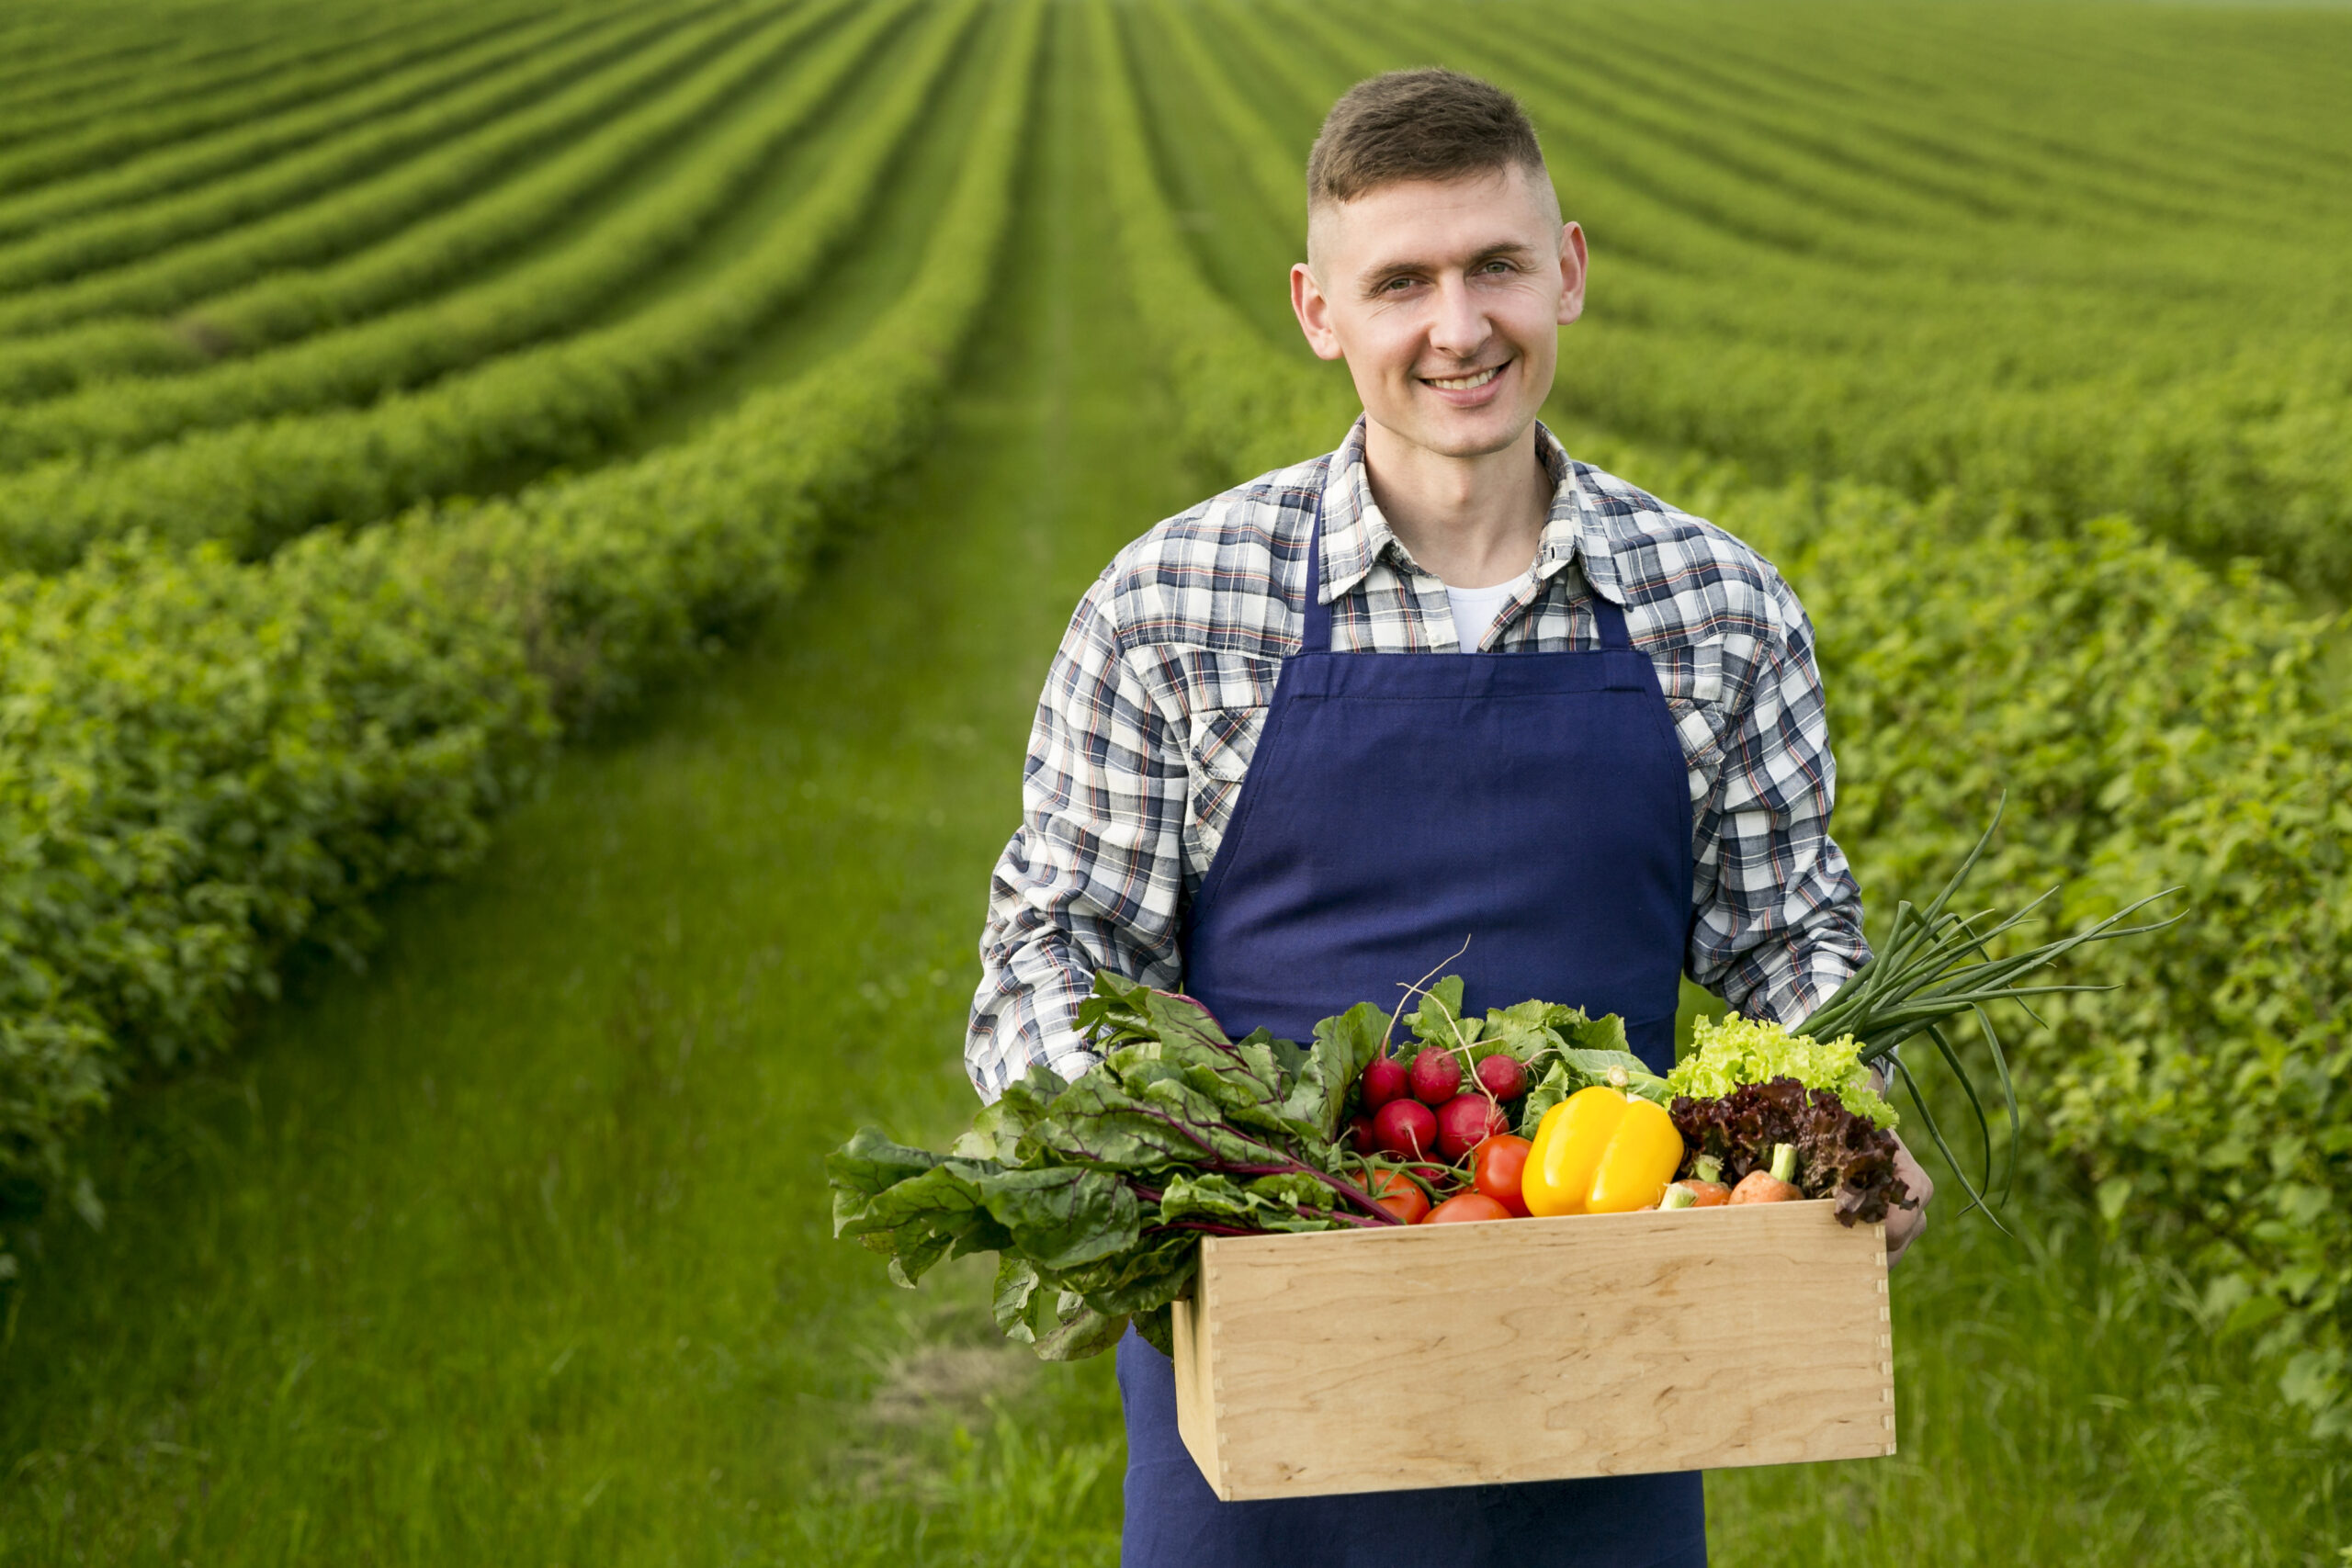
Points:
1936	964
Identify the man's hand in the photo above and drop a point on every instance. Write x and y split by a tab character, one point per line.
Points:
1904	1225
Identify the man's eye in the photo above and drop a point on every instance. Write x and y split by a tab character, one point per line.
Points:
1396	285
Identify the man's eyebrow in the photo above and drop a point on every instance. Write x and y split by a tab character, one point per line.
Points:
1502	250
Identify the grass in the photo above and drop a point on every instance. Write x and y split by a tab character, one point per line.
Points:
514	1250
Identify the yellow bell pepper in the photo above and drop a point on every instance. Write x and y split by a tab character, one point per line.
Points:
1600	1151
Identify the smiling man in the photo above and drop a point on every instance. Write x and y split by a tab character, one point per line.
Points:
1446	682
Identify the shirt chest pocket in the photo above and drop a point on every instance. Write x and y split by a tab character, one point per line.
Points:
1219	747
1691	678
1222	742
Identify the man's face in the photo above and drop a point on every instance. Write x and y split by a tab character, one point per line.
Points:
1446	299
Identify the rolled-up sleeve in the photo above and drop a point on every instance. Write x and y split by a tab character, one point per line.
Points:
1778	920
1094	877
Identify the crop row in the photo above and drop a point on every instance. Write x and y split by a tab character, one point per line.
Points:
286	303
52	64
2178	369
252	487
76	249
550	292
2154	723
332	225
356	90
104	120
216	760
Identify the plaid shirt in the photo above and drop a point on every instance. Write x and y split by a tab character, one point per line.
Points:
1158	695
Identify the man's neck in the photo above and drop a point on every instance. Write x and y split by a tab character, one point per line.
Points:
1475	522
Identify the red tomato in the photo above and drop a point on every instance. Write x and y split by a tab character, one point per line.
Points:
1465	1207
1495	1167
1395	1192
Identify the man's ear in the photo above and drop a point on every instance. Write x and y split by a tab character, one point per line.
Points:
1572	272
1314	313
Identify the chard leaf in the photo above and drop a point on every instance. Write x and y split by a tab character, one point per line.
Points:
1098	1122
1016	1285
1061	1216
1235	1092
1078	1331
919	1221
1055	1322
869	1163
1269	1202
1151	1276
996	1133
1157	1329
1343	1047
1180	1018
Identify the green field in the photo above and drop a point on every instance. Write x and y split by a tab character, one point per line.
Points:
531	538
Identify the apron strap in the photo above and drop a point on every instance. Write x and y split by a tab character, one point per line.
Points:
1611	621
1315	636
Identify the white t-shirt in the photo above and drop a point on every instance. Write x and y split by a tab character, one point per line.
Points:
1475	609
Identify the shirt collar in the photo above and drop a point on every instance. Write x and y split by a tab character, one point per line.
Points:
1355	535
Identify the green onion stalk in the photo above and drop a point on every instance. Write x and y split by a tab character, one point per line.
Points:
1936	964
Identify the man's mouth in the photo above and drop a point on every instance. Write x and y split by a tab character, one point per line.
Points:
1469	383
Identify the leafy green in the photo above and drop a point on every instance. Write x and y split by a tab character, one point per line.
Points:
1731	1051
1095	1192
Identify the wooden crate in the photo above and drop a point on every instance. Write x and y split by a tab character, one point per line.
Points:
1535	1349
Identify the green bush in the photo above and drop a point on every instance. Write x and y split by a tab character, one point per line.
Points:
256	485
205	760
330	199
133	88
2154	723
368	355
374	81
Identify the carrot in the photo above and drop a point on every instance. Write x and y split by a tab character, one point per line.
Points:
1774	1186
1702	1194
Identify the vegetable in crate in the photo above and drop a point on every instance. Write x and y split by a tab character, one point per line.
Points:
1748	1089
1094	1193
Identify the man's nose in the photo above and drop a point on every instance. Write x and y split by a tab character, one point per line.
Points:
1459	327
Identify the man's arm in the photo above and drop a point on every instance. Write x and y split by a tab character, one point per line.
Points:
1095	875
1779	926
1780	920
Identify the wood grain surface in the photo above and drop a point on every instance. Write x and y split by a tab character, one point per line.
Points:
1535	1349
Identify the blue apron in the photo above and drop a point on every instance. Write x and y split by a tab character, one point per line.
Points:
1536	803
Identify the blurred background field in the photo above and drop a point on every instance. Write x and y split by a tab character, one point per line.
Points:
533	533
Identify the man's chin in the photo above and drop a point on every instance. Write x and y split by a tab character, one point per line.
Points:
1479	433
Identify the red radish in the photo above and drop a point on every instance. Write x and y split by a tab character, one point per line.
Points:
1405	1128
1395	1192
1359	1135
1437	1076
1383	1081
1466	1121
1502	1076
1463	1207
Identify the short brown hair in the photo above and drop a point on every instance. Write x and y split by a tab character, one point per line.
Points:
1427	124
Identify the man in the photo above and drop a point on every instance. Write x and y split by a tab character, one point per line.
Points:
1303	739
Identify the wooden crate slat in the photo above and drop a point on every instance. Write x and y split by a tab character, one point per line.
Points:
1535	1349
